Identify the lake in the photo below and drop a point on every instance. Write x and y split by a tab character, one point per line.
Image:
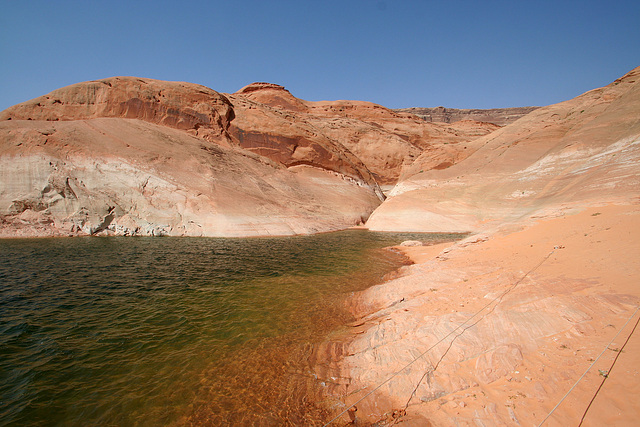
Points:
157	331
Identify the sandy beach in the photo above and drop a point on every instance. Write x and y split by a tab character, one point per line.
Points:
497	328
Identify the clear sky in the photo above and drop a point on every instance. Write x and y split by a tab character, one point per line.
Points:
461	54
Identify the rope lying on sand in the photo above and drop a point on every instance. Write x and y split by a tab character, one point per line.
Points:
461	326
591	366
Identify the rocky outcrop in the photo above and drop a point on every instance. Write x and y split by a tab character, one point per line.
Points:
136	156
273	95
194	108
497	116
386	142
583	150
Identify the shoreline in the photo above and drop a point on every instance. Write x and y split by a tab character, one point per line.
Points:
563	287
29	231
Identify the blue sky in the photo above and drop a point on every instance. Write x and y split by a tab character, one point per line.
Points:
460	54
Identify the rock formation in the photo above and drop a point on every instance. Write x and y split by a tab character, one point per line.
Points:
585	149
136	156
131	177
143	157
497	116
384	140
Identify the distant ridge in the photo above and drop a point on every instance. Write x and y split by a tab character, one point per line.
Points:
497	116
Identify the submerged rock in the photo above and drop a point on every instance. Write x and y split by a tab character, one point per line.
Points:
411	243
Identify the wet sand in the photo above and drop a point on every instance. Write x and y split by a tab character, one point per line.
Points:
497	328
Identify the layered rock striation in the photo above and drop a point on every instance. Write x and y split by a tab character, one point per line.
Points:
497	116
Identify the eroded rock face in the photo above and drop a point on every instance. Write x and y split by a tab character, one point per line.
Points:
131	177
125	130
290	140
384	141
197	109
138	156
497	116
583	150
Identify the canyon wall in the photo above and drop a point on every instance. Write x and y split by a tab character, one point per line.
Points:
497	116
182	159
134	156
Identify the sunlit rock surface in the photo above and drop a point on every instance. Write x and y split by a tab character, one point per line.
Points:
583	150
385	141
497	328
133	156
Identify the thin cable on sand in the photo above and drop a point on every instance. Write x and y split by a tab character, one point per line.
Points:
461	326
591	366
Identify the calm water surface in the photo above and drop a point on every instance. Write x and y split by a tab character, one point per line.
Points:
156	331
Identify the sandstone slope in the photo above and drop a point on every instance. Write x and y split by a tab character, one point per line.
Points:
582	150
497	328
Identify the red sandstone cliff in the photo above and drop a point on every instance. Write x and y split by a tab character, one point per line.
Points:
139	156
387	142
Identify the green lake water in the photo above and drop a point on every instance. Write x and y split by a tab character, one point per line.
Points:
178	331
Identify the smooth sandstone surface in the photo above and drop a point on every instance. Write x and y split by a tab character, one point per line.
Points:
581	151
497	328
